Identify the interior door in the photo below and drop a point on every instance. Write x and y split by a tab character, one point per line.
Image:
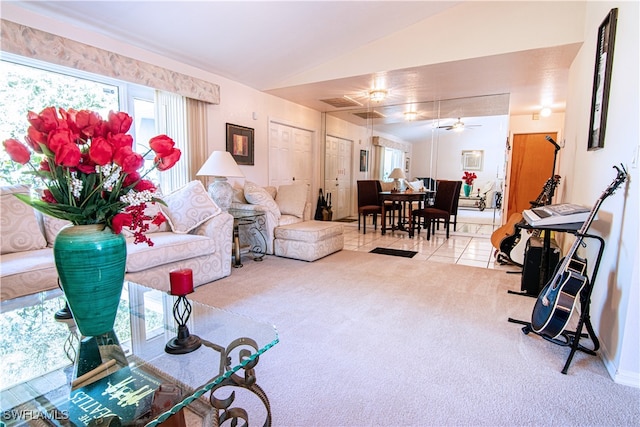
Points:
532	161
338	172
290	150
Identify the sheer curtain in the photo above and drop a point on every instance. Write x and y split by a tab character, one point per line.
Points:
184	120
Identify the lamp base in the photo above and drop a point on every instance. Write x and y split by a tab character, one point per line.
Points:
221	192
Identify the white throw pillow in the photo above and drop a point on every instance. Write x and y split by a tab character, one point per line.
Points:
415	185
257	195
19	229
291	199
188	207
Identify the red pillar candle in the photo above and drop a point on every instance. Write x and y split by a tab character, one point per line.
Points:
181	281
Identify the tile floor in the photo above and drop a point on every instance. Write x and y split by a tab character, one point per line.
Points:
470	244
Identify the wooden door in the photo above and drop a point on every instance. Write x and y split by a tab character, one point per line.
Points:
531	166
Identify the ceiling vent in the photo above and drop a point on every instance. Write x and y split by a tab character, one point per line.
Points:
343	102
369	115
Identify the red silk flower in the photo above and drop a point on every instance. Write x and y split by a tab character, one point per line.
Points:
17	151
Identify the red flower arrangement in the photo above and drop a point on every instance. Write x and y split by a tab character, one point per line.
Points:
468	178
90	171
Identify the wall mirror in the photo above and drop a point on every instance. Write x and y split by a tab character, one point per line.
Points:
432	134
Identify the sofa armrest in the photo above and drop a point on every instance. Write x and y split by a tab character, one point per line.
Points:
220	229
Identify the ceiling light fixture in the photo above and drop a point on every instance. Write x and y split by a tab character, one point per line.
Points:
377	95
410	115
545	112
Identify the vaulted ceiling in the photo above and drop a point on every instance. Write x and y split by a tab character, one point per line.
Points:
450	58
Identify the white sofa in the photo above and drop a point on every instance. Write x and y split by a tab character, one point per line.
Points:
288	228
282	206
487	190
197	235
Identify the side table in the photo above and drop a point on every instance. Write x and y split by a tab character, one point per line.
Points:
255	223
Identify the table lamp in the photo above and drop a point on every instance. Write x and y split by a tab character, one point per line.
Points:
397	174
221	165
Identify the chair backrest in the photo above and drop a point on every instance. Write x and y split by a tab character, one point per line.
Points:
447	195
368	192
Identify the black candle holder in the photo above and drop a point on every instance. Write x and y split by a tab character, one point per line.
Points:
184	342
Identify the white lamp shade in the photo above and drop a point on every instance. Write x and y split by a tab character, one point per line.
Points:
222	164
397	173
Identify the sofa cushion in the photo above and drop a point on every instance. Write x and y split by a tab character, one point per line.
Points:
257	195
188	207
168	247
52	227
18	224
291	199
152	209
26	273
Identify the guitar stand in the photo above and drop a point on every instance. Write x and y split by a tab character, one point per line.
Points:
572	338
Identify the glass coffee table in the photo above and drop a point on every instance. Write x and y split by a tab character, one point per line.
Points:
128	369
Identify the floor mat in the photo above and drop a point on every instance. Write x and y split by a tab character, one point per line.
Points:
394	252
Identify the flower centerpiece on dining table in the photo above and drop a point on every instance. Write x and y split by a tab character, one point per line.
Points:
92	177
468	179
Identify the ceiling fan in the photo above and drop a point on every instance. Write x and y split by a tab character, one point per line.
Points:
457	126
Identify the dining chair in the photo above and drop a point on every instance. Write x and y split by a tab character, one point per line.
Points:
368	202
447	194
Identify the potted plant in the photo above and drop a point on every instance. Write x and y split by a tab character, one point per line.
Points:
468	179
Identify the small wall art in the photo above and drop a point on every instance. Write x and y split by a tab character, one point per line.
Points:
364	160
240	144
602	81
472	160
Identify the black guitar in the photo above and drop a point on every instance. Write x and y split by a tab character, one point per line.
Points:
507	237
558	298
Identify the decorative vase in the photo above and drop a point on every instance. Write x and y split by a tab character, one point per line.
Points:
467	189
91	260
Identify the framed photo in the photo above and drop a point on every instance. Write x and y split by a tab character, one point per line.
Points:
240	144
602	81
407	164
364	160
472	160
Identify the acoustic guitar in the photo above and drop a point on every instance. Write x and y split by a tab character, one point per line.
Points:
558	298
505	238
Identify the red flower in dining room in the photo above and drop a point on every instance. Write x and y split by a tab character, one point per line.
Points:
90	173
468	178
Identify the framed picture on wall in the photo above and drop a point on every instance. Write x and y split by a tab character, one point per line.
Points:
240	144
472	160
364	160
602	81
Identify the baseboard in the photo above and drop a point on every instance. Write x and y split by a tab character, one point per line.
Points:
626	378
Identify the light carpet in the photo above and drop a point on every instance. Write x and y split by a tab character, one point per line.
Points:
372	341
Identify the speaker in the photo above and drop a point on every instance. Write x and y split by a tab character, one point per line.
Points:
536	271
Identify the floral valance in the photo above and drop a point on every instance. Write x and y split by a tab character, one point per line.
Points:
32	43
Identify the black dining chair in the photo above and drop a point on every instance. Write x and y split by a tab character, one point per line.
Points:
447	194
368	202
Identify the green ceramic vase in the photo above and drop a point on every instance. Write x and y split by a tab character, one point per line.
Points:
90	260
467	189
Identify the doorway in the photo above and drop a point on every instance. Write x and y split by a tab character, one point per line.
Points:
338	174
532	163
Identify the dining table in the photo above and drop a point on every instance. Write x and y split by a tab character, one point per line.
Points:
406	199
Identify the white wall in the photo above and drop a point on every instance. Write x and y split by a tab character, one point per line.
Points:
615	305
447	148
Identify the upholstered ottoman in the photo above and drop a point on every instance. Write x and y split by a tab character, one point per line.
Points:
308	240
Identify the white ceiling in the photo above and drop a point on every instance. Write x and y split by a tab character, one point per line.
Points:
264	44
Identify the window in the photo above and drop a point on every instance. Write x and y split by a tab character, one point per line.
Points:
29	85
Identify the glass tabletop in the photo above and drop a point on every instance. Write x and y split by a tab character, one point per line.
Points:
125	367
240	214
